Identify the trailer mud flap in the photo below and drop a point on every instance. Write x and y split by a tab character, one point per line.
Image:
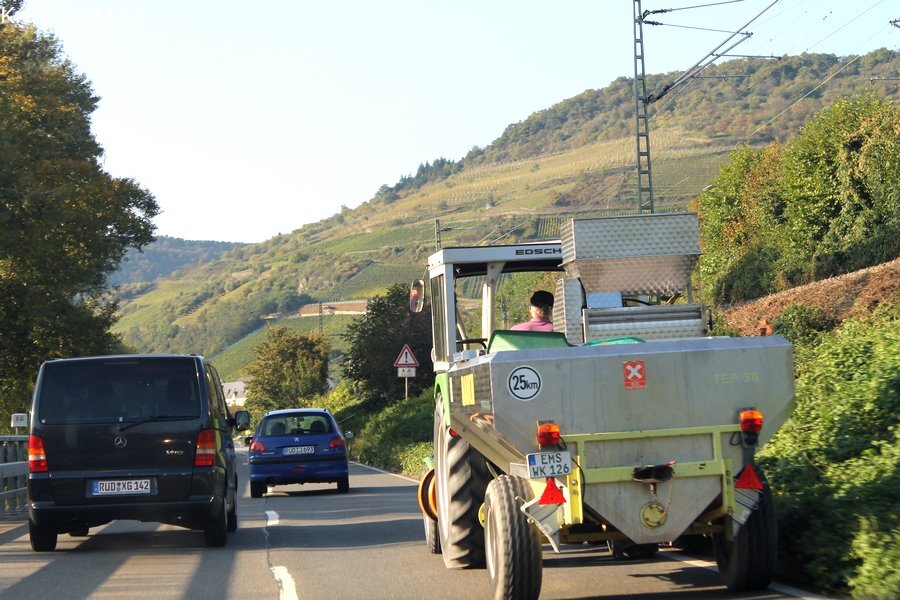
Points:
546	518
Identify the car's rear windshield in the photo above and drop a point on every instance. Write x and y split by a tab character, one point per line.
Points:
118	390
296	424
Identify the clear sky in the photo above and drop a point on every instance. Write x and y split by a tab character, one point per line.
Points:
250	119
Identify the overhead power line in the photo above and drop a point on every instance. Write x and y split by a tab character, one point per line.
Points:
668	10
710	57
795	102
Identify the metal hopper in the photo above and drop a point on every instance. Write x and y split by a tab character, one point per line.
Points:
629	256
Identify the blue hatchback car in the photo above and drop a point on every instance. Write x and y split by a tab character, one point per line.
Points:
298	445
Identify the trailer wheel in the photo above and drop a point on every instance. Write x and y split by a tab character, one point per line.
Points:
748	561
513	547
462	477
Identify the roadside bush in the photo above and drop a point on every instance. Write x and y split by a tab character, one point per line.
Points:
802	324
412	458
345	405
393	438
834	464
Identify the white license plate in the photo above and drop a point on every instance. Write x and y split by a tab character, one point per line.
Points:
299	450
122	487
549	464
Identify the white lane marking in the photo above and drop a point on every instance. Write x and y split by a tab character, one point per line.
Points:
271	518
287	590
778	587
386	472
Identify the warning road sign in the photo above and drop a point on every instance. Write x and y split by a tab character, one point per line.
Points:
406	358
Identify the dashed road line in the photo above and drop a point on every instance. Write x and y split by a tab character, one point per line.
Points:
386	472
287	589
778	587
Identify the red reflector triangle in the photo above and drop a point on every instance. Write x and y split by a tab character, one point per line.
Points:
748	479
551	494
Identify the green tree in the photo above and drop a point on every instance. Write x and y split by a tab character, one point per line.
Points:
290	369
378	337
828	202
64	222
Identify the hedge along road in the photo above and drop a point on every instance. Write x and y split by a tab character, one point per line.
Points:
308	542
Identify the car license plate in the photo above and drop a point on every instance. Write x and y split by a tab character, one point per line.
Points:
299	450
121	487
549	464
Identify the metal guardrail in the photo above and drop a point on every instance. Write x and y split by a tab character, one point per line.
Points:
13	472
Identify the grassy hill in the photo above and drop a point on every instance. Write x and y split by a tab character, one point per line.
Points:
576	158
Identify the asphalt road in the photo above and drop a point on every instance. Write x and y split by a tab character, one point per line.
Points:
308	542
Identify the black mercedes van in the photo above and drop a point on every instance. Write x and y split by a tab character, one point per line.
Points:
142	437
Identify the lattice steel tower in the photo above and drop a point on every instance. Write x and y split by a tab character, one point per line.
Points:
642	130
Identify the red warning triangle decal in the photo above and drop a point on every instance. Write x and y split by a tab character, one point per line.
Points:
551	494
748	479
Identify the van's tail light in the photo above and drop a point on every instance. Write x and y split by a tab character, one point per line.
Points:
206	449
336	442
37	457
257	446
548	434
751	424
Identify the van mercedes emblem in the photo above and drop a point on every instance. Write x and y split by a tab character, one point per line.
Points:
121	441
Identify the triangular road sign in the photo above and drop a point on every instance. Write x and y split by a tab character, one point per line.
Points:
406	358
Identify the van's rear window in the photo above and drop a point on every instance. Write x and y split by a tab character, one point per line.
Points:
117	390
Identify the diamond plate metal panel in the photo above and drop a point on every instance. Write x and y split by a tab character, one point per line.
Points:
637	275
658	330
631	235
635	254
567	310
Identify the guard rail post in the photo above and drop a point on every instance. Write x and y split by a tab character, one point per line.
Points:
13	473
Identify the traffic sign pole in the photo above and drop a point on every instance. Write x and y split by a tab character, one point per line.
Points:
406	365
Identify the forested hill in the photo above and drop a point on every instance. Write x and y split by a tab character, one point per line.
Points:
736	100
575	158
733	100
165	256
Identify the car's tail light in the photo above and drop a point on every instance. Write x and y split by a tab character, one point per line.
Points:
751	424
548	434
257	446
37	457
336	442
206	449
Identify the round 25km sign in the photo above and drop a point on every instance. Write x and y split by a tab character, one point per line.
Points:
524	383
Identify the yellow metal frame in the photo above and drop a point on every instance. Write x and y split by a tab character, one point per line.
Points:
718	466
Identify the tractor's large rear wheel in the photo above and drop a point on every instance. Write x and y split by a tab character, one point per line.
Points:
513	547
461	478
747	562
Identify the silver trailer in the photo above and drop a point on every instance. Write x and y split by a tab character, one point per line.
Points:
628	425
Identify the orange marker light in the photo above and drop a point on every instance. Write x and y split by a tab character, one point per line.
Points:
751	421
548	434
